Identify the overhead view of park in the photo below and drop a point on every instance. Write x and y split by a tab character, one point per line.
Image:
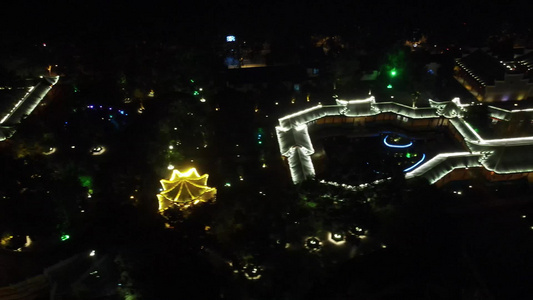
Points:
273	150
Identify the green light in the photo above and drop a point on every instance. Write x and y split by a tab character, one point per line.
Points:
86	181
65	237
393	72
408	155
260	142
196	93
389	86
192	81
311	204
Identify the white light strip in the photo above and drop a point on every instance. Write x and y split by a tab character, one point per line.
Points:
442	158
301	112
17	105
471	129
370	99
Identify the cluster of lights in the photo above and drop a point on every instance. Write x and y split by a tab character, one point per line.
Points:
101	107
98	150
252	272
355	188
313	244
481	81
197	93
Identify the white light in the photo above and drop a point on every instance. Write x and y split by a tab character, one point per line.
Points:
170	167
170	147
93	253
202	100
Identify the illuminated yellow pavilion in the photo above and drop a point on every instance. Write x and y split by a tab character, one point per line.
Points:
184	190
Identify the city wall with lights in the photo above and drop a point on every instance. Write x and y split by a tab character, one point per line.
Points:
497	159
24	106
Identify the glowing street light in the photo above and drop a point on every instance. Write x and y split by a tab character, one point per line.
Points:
313	244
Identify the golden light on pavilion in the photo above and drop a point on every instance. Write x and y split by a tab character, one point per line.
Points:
184	189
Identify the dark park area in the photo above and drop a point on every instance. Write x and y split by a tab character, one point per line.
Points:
266	150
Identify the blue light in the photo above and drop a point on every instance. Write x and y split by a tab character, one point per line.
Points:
417	163
230	38
396	146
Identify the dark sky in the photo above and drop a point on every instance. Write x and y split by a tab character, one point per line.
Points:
194	19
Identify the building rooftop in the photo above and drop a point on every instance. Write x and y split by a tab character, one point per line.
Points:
487	68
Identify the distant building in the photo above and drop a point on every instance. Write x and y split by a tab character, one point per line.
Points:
492	80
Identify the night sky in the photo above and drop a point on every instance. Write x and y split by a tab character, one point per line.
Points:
195	21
